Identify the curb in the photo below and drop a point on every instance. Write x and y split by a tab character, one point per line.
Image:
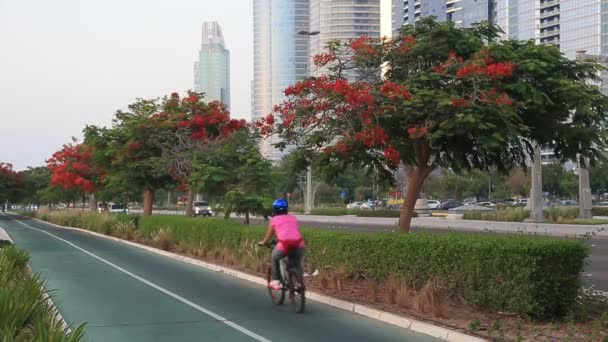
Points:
383	316
46	297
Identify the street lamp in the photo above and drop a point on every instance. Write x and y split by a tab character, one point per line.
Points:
309	201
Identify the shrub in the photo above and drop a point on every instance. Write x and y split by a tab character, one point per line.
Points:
560	214
536	276
501	214
381	213
599	211
332	211
25	314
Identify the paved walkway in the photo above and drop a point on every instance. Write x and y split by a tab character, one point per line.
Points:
128	294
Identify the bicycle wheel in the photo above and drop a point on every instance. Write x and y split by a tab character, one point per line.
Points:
297	291
277	296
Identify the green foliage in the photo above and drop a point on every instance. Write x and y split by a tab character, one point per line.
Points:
332	211
558	182
599	211
25	313
536	276
560	214
380	213
501	214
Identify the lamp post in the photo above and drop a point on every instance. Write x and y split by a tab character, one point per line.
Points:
308	203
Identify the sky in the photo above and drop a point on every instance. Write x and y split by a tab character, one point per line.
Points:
65	64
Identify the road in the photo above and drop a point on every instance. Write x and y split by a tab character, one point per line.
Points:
127	294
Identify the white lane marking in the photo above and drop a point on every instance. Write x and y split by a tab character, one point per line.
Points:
159	288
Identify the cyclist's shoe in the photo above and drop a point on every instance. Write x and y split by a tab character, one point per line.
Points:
274	285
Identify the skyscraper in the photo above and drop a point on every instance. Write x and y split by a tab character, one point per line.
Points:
280	57
212	70
342	20
463	13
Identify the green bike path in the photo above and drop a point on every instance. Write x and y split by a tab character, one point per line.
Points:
124	293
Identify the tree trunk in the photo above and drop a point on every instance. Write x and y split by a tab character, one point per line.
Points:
189	206
416	175
247	217
148	202
84	199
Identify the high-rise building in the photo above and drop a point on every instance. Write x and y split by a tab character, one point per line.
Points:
212	70
342	20
280	57
464	13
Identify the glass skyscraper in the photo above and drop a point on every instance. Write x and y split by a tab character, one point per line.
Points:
342	20
212	70
280	57
463	13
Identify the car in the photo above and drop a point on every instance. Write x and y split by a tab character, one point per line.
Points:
487	204
365	205
569	203
114	208
202	208
354	205
433	204
602	204
451	204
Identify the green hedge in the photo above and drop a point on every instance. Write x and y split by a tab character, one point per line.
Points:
332	211
357	212
599	211
537	276
24	312
380	213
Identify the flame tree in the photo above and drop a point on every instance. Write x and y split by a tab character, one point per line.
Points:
447	99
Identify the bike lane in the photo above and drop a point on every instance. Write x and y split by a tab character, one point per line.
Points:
129	294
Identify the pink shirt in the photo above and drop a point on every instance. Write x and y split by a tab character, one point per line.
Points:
286	229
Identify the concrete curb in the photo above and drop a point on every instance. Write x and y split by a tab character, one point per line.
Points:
383	316
49	300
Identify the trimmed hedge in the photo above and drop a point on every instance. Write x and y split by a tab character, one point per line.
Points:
536	276
599	211
380	213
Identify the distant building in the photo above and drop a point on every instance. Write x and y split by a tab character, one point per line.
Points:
212	70
280	57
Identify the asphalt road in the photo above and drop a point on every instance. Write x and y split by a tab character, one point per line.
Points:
127	294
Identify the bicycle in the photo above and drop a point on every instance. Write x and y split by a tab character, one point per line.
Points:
291	279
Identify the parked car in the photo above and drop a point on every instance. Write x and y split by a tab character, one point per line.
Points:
365	205
487	204
602	204
433	204
569	203
450	204
202	208
114	208
354	205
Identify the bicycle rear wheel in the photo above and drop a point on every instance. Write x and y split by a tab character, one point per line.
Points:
297	292
277	296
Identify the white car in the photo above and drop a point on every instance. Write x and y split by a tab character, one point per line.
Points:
433	204
114	208
354	205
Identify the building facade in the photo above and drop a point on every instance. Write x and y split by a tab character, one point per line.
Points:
464	13
280	57
342	20
212	70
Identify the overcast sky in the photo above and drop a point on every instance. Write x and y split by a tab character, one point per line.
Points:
68	63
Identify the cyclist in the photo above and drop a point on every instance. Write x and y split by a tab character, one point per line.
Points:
289	239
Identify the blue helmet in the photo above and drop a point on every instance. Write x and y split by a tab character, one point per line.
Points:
280	206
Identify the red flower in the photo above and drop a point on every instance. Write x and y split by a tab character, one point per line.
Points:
460	103
500	70
416	132
395	90
392	155
323	59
